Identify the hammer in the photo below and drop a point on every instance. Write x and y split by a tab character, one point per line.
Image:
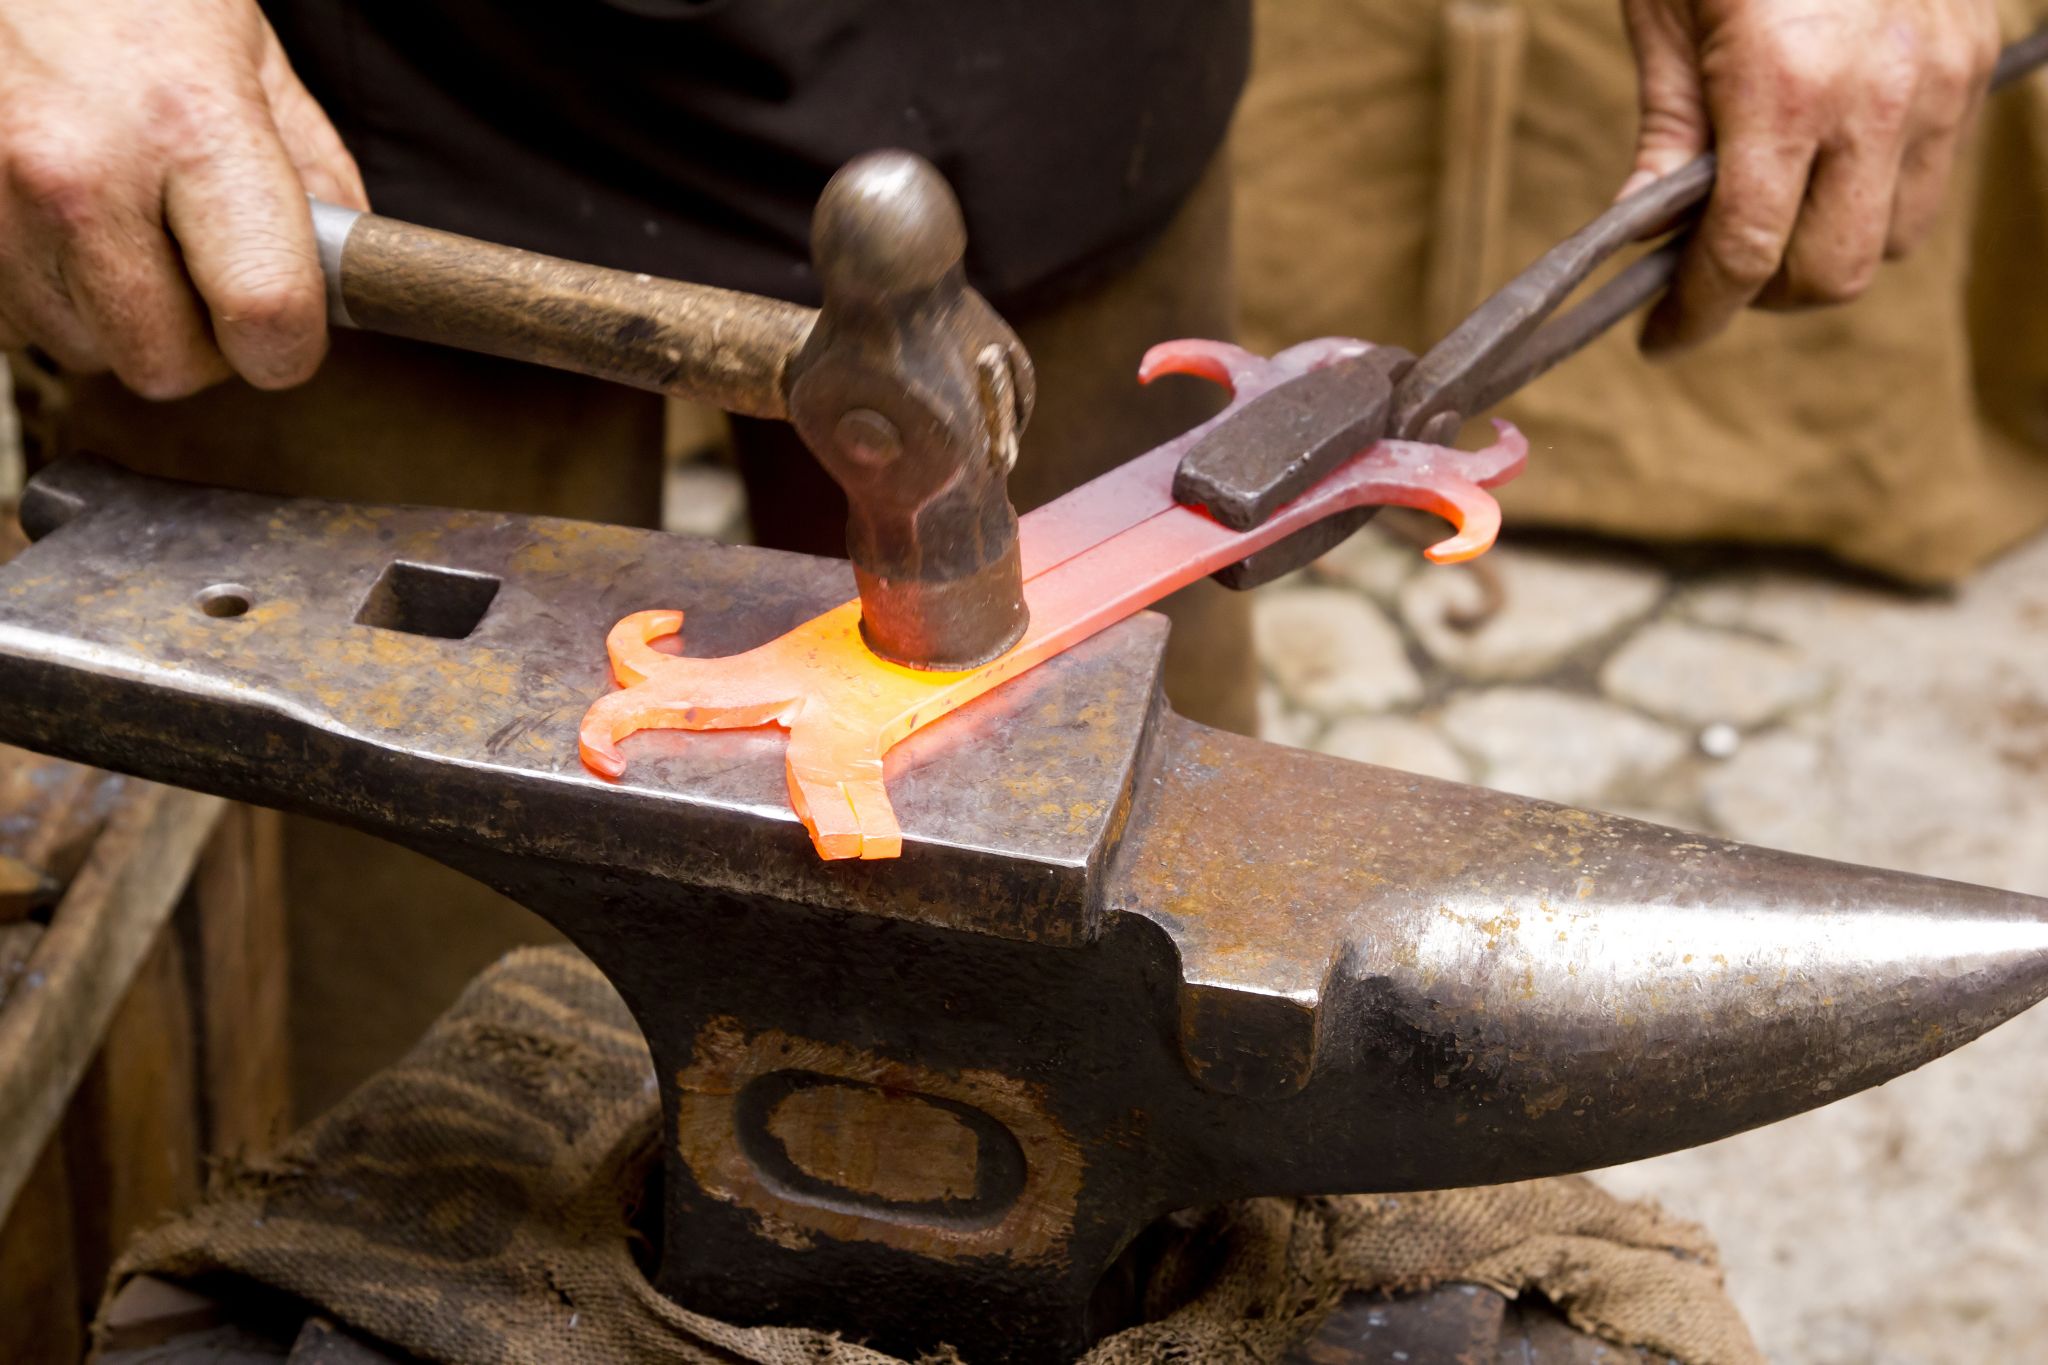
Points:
906	385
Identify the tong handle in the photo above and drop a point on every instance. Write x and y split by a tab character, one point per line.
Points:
1467	365
1570	332
686	340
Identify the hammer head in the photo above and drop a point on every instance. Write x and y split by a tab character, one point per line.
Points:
912	393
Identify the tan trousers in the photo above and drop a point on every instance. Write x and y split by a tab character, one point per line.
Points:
382	939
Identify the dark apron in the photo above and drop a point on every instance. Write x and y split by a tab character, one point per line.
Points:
691	139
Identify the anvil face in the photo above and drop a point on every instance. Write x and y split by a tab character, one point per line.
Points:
467	645
1126	964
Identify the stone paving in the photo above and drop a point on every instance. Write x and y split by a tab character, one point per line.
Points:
1790	707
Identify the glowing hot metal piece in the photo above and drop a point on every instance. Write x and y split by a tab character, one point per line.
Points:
1111	547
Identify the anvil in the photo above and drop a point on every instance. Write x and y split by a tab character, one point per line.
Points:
1125	964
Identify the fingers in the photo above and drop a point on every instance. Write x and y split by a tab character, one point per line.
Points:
1875	106
36	303
238	212
1742	238
130	292
1837	130
88	274
1952	92
1924	178
1839	240
1673	127
45	195
324	165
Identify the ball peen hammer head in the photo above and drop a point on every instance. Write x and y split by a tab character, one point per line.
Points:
887	225
913	392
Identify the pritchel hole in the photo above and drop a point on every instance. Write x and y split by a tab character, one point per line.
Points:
423	599
224	599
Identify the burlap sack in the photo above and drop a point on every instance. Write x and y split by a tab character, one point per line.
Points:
472	1206
1907	433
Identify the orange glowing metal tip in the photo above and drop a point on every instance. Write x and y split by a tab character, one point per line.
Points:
1109	548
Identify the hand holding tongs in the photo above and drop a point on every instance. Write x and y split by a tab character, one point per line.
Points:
1245	469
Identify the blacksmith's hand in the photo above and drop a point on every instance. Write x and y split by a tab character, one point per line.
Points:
155	157
1836	123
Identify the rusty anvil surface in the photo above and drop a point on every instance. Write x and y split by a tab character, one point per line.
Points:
1126	963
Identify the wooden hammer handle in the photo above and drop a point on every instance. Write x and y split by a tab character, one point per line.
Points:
686	340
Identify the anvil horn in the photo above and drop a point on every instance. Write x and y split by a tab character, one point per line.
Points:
1125	964
1491	988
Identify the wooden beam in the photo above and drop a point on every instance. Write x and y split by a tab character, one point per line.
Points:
39	1289
236	945
1483	47
54	811
23	889
81	967
12	541
17	944
131	1134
